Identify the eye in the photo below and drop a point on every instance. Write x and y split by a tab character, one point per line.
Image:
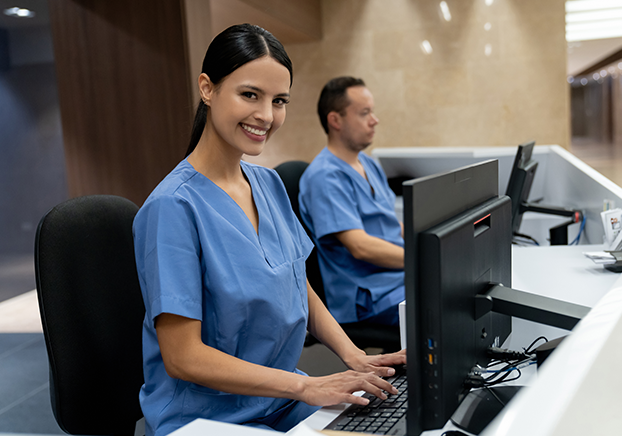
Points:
280	101
250	95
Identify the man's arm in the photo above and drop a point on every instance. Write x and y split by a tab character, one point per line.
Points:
363	246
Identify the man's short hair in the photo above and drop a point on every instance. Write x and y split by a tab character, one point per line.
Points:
333	97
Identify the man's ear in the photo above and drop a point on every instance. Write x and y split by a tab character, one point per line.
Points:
206	88
334	120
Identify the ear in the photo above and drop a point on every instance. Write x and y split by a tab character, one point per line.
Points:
206	88
334	120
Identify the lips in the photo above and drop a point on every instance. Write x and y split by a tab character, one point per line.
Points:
254	130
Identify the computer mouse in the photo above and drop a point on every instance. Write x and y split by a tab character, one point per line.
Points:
481	406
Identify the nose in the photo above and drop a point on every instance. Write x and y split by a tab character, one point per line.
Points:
374	120
264	113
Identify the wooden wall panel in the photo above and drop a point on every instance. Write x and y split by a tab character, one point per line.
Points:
124	94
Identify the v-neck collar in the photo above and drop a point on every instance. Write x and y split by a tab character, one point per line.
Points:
251	180
366	183
266	238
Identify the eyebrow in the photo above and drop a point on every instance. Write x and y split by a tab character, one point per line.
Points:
261	91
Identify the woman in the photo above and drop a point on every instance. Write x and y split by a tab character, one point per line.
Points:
221	261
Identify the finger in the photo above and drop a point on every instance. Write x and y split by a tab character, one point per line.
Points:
390	359
381	385
382	371
355	399
386	386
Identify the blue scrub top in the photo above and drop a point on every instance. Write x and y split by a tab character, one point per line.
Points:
333	198
199	256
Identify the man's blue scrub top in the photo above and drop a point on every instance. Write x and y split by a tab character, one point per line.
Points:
199	256
333	198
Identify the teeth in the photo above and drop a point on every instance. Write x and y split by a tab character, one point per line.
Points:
253	130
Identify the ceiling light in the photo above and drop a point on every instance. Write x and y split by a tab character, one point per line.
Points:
426	47
445	11
487	26
591	5
489	2
593	19
582	17
594	34
19	12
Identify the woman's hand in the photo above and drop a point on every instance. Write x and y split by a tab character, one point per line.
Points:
379	364
339	388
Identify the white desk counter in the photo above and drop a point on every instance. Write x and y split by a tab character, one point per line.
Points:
577	391
559	272
563	273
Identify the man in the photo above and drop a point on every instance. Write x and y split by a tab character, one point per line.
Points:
346	203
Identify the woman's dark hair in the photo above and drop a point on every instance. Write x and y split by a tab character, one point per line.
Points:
333	97
227	52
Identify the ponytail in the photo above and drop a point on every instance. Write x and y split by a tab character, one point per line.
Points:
197	127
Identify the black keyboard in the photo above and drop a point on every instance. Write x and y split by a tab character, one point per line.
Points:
379	416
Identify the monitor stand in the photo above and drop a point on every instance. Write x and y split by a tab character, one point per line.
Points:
480	406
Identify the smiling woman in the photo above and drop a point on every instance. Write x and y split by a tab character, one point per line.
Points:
221	262
231	49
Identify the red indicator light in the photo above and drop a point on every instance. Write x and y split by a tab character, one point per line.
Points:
481	219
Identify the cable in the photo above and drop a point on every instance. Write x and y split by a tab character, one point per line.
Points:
528	349
520	235
509	368
509	362
576	240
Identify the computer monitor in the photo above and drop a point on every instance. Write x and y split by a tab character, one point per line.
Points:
459	300
521	179
519	186
457	242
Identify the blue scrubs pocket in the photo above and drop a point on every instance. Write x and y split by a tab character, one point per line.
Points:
300	275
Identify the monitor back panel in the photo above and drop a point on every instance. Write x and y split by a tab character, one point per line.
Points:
459	259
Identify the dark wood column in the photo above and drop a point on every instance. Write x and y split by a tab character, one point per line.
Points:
125	98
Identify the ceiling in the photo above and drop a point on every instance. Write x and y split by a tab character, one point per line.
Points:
40	7
593	31
581	54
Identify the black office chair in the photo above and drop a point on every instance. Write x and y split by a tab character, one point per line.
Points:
92	312
363	334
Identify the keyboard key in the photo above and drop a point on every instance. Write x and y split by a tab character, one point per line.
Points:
379	416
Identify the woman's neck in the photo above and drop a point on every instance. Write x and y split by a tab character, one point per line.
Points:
216	161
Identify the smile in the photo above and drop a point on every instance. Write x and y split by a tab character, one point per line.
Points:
253	130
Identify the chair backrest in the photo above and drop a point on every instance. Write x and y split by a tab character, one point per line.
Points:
290	172
92	312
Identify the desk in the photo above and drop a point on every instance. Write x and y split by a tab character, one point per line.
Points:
577	391
561	180
563	273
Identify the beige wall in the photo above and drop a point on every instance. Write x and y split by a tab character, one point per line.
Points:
456	96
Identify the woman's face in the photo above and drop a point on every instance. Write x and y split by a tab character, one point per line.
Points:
247	106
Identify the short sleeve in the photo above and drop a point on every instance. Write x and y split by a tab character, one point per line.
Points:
330	202
168	258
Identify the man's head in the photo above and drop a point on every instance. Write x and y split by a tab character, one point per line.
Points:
345	109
